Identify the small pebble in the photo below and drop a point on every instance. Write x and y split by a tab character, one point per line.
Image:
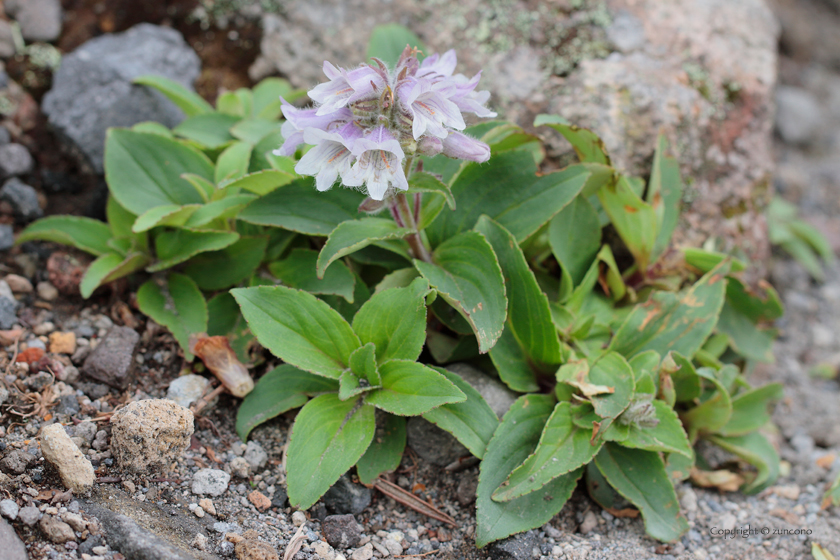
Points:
207	505
298	518
46	291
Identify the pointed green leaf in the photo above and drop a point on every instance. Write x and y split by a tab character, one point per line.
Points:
166	215
188	101
351	385
575	237
225	208
328	437
144	170
634	219
588	146
514	440
745	337
363	364
663	195
386	449
758	452
750	409
217	270
472	421
86	234
210	130
672	322
108	267
233	163
428	183
253	129
395	322
260	182
267	95
528	318
178	305
640	477
278	391
352	235
714	412
466	273
298	328
299	207
298	271
563	447
410	389
179	245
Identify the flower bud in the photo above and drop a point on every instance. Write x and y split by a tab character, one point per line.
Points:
429	145
460	146
219	357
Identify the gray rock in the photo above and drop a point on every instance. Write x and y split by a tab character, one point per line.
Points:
17	461
627	32
7	237
56	530
11	545
342	531
133	541
29	515
4	394
68	405
798	115
346	497
150	434
255	455
112	362
38	381
15	160
5	137
210	482
467	486
9	509
433	444
92	89
7	41
23	200
40	20
187	389
496	393
517	547
8	313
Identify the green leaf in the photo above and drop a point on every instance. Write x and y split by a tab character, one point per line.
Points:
119	220
671	322
278	391
704	261
664	194
388	41
260	182
508	190
749	409
252	130
503	137
179	245
445	349
298	328
166	215
386	449
763	305
575	238
528	319
713	413
411	389
428	183
85	234
144	170
758	452
563	447
153	128
298	271
745	337
514	440
217	270
233	163
394	321
210	131
225	208
472	421
687	384
108	267
587	145
640	477
634	219
352	235
328	437
188	101
667	436
466	273
299	207
267	95
363	364
179	306
401	278
612	370
351	386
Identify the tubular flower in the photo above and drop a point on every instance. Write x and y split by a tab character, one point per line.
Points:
368	123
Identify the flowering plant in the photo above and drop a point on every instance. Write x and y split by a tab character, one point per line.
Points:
626	350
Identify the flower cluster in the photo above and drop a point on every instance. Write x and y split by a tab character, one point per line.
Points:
368	122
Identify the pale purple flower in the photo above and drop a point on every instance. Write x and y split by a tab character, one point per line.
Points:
378	165
345	87
427	104
438	66
299	119
469	100
330	156
461	146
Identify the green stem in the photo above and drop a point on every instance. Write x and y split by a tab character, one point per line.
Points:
401	207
